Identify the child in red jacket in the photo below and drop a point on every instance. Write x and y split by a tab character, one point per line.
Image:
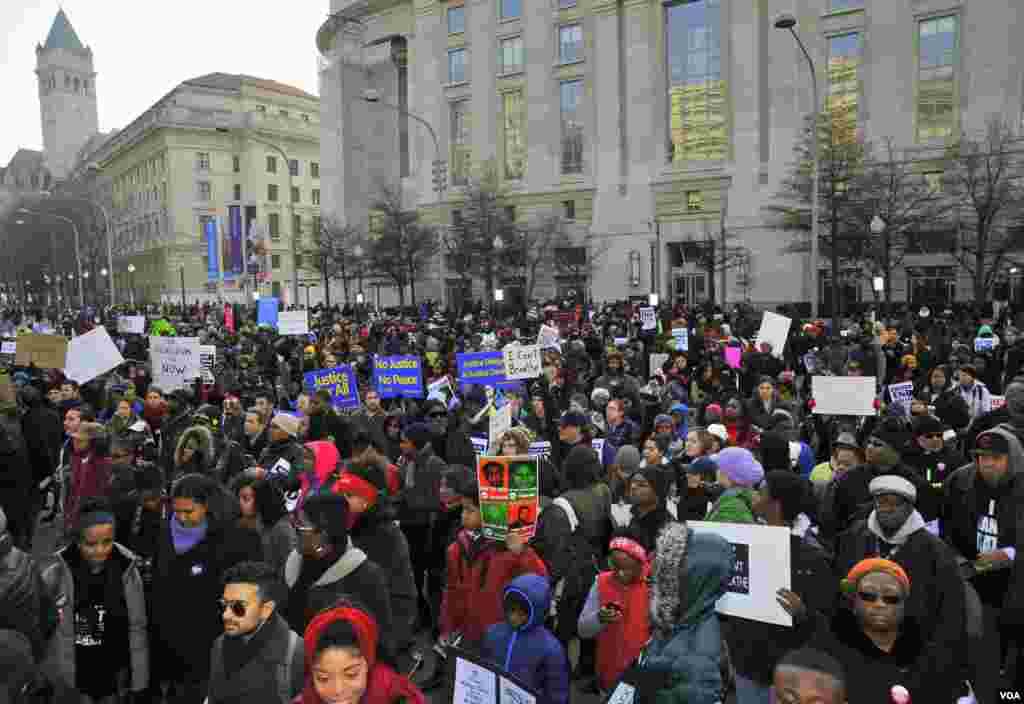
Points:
478	570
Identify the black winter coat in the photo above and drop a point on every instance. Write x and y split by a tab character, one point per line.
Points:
421	496
850	499
256	679
41	427
23	607
185	592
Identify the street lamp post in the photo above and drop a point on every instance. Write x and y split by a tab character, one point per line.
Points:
440	166
78	258
106	224
879	227
131	284
788	21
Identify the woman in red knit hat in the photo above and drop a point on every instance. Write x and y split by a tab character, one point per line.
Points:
341	662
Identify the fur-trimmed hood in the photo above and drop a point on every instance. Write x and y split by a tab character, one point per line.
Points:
203	438
690	574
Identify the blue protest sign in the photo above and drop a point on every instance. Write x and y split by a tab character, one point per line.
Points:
484	368
266	312
398	376
339	381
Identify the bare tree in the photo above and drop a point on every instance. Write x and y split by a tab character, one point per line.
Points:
982	177
580	262
484	222
402	247
529	250
329	253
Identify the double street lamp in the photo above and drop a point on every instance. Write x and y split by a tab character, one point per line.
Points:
131	283
74	229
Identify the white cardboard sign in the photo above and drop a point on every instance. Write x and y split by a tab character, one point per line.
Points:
135	324
902	394
522	362
293	322
843	395
774	330
90	355
175	361
549	338
648	319
760	570
207	360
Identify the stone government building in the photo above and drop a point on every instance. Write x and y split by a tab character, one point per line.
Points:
650	124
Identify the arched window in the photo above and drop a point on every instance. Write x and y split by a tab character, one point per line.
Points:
76	85
67	81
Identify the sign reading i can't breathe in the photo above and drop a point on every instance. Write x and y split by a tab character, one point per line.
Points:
339	381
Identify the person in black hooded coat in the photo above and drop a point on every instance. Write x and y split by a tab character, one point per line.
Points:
648	489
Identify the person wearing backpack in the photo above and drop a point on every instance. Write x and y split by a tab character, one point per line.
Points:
258	659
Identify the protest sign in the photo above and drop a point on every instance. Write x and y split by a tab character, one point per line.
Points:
760	570
484	368
501	421
509	491
733	356
441	389
682	339
984	344
90	355
901	395
549	338
843	395
267	312
997	402
620	341
293	322
339	381
207	360
774	330
522	362
175	361
657	361
473	680
399	376
648	320
45	351
133	324
9	347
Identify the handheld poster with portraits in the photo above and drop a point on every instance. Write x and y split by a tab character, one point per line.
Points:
509	495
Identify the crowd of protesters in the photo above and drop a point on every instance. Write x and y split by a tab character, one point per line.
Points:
242	539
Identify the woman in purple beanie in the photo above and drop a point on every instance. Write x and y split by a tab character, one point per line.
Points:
738	473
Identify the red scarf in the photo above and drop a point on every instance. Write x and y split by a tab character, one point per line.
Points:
620	643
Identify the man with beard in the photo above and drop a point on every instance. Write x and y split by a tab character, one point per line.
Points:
232	421
982	522
616	380
895	531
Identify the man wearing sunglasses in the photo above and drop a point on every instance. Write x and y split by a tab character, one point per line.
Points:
259	658
895	531
933	460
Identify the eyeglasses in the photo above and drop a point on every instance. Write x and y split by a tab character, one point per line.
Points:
888	599
238	607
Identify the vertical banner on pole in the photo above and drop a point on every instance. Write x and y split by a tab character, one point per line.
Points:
212	251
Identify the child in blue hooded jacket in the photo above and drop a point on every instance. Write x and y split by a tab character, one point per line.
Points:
523	647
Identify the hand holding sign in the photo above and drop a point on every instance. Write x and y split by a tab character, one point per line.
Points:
522	362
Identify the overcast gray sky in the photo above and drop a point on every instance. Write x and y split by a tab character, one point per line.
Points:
142	49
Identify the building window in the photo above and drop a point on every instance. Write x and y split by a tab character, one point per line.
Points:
456	19
456	65
510	9
510	213
316	196
203	191
938	56
314	169
933	179
261	108
317	225
305	117
931	284
697	121
569	208
85	87
67	81
296	225
566	4
844	58
513	120
457	217
238	191
295	194
836	5
694	201
460	145
570	43
572	127
275	261
272	192
274	225
236	164
271	164
293	167
510	55
203	161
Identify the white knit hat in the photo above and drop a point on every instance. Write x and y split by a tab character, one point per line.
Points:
893	484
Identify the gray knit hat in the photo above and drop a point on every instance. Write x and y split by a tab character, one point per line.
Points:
629	458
